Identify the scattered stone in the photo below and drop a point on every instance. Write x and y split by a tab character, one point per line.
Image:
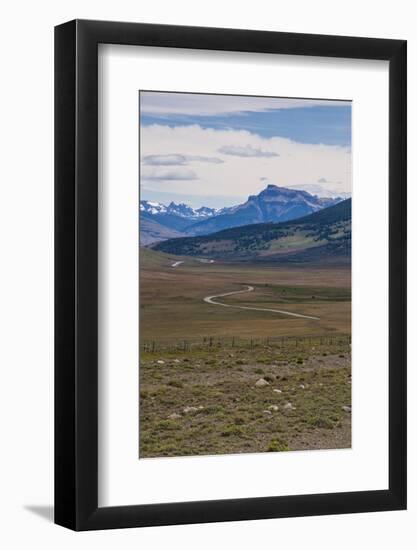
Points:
301	386
160	362
346	409
288	406
186	410
261	382
174	416
276	390
273	407
267	412
177	361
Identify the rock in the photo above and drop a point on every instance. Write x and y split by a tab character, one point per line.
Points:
267	412
276	390
273	407
261	382
346	409
301	386
288	406
160	362
177	361
174	416
186	410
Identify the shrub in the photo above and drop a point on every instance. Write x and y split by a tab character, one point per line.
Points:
320	422
277	445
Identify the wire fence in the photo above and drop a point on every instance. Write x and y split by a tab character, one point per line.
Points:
216	342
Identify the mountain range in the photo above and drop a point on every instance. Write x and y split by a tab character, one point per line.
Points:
273	204
322	235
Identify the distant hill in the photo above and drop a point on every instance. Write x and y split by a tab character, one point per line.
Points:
325	234
152	231
149	260
273	204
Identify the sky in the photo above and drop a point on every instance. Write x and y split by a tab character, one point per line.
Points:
216	150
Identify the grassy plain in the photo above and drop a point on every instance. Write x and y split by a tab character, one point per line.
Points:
203	399
172	306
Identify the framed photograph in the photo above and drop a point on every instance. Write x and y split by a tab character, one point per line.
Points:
230	275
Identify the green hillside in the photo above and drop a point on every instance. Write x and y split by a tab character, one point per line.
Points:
323	235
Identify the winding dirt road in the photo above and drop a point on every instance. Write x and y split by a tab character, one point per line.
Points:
210	300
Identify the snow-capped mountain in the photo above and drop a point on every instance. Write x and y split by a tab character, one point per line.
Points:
174	217
152	208
181	209
273	204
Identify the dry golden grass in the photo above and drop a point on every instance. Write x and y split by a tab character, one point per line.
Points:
172	306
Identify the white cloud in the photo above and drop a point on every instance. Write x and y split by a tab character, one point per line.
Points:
247	151
316	189
176	160
160	103
298	164
163	174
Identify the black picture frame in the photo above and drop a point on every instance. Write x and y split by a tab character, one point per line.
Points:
76	272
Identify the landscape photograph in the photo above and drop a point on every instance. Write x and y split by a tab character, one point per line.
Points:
244	274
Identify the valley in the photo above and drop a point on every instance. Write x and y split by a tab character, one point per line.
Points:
172	299
242	378
245	337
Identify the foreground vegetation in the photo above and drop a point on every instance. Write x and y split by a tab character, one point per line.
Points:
214	400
